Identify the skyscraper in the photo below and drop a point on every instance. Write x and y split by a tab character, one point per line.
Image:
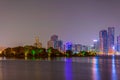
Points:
76	48
37	43
103	37
68	46
111	34
55	43
96	45
84	48
60	45
118	43
50	43
54	38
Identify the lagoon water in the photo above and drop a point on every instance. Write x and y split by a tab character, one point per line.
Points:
76	68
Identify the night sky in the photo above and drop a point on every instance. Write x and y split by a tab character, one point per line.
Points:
78	21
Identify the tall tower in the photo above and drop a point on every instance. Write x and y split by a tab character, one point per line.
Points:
55	43
54	38
68	46
37	43
103	42
118	43
96	45
111	34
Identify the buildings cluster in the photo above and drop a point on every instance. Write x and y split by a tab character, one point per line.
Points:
55	43
106	41
105	45
58	44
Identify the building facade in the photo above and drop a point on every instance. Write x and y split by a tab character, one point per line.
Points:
55	43
103	42
111	34
37	43
76	48
118	43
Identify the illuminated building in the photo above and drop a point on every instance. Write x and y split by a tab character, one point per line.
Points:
96	45
55	43
118	43
54	38
37	43
50	44
111	33
69	46
103	44
76	48
60	45
84	48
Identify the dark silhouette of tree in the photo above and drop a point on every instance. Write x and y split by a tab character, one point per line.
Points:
69	53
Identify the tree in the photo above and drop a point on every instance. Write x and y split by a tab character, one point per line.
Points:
69	53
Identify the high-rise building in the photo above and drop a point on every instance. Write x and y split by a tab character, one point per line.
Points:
68	46
96	45
55	43
50	43
76	48
84	48
60	45
103	43
111	33
118	43
37	43
54	38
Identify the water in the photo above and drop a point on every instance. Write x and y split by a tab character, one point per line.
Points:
79	68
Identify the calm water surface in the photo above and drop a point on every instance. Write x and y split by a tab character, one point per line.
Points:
76	68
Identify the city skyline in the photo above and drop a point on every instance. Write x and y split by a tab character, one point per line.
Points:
76	21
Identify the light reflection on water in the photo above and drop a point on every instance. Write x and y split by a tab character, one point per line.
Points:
97	68
1	74
114	74
68	69
105	68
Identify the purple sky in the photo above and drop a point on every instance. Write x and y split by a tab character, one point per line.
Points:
78	21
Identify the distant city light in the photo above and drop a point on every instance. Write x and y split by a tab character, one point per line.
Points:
113	47
95	40
92	45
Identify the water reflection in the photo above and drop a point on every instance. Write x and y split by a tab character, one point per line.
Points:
1	74
114	74
61	68
95	69
68	69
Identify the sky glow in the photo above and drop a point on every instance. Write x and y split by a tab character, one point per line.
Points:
77	21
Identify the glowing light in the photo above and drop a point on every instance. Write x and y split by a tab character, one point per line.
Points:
33	52
49	51
96	70
0	52
68	69
113	47
95	40
68	46
114	74
40	51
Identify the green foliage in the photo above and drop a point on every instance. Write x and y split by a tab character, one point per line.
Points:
33	52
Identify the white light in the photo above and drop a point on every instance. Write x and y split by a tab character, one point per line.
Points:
95	40
92	45
113	47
